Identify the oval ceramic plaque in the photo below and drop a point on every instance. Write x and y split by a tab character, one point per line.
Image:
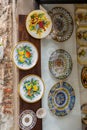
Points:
38	24
84	108
31	88
61	99
82	35
60	64
82	55
62	24
81	16
25	55
84	77
27	120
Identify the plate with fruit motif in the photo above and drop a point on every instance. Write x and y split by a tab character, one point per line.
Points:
62	24
31	88
61	99
38	24
60	64
25	55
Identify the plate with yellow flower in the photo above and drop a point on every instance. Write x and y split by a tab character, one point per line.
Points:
38	24
31	88
25	55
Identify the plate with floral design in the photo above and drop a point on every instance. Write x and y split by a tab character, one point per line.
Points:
25	55
38	24
61	99
82	55
82	35
62	24
84	77
31	88
60	64
27	120
81	16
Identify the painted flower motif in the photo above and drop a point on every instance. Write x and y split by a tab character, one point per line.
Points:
24	55
31	88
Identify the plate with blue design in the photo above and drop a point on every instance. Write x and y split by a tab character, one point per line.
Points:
61	99
60	64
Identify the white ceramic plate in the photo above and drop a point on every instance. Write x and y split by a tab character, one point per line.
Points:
25	55
31	88
38	24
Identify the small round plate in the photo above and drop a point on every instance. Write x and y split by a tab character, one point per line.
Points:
31	88
61	99
41	113
84	108
60	64
27	120
25	55
62	24
84	77
38	24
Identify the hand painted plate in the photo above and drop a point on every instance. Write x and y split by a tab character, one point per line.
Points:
61	99
62	24
81	16
84	77
31	88
25	55
82	55
27	120
82	35
60	64
38	24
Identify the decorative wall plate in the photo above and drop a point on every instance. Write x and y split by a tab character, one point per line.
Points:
81	16
84	77
27	120
25	55
82	35
61	99
31	88
62	24
38	24
82	55
60	64
84	108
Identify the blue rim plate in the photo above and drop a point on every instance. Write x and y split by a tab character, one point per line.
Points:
60	64
61	99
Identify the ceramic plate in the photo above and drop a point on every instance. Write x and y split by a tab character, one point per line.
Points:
84	77
62	24
38	24
31	88
25	55
84	108
82	55
82	35
60	64
27	120
81	16
61	99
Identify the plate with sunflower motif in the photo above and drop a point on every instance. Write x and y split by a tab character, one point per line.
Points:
25	55
60	64
38	24
84	77
61	99
27	120
62	24
31	88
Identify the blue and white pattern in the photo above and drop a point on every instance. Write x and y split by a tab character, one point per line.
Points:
61	99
